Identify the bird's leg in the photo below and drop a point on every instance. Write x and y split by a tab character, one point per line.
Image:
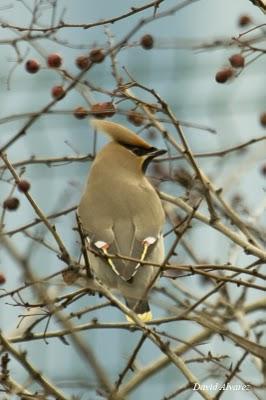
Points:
146	244
104	247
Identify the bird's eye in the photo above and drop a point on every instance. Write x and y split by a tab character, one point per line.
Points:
139	151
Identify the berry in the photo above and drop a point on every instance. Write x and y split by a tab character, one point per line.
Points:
135	118
83	62
54	60
103	110
147	42
223	75
32	66
11	203
263	119
80	113
244	20
23	186
97	55
109	108
58	92
237	61
2	278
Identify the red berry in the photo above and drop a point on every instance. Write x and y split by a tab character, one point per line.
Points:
147	42
23	186
2	278
263	119
135	118
244	20
97	55
32	66
237	61
83	62
54	60
80	113
11	203
58	92
223	75
109	109
97	111
103	110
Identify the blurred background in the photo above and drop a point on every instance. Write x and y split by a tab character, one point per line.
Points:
183	72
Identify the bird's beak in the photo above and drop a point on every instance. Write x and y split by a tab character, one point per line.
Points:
151	155
157	153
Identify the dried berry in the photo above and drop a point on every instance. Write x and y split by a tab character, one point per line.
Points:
32	66
110	109
11	203
147	42
237	61
23	186
54	60
223	75
103	110
83	62
263	119
135	118
58	92
97	55
2	278
244	20
97	111
80	113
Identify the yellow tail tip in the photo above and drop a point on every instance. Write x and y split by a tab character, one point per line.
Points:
145	317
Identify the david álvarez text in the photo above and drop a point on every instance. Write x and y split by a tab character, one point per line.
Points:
225	386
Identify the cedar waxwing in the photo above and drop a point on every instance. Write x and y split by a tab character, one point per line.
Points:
121	213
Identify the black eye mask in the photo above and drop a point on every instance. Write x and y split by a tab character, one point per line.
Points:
138	151
150	152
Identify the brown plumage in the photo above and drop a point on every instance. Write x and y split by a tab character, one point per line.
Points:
121	213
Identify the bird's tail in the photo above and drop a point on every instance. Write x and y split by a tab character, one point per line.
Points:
141	308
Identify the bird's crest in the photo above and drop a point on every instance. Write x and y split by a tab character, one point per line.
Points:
119	133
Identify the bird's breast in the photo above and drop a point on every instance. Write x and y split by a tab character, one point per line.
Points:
124	201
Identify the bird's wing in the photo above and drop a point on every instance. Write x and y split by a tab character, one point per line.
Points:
126	245
115	225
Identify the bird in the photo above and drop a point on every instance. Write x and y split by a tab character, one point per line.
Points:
122	214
